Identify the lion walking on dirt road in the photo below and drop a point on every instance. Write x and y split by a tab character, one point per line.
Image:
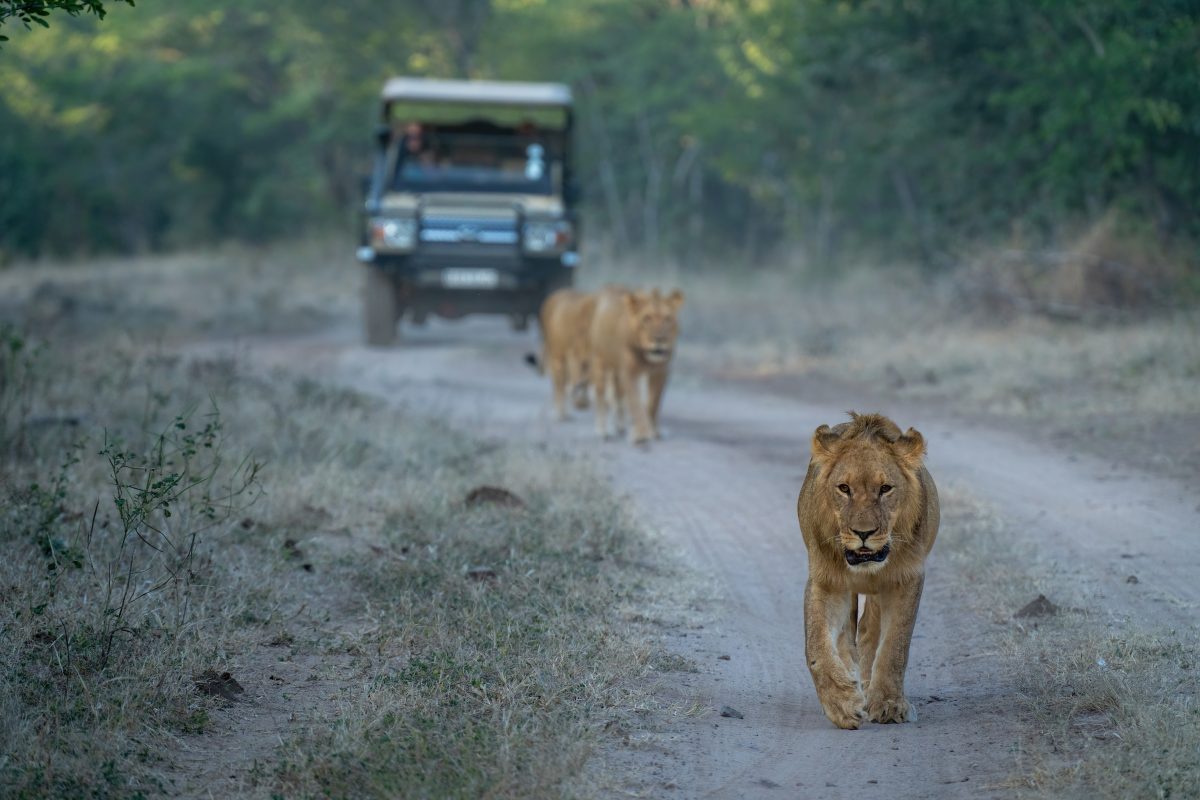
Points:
869	515
632	338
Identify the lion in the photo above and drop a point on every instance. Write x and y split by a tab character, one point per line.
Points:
869	514
633	337
565	320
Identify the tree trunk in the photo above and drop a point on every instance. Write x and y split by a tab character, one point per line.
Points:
608	175
652	194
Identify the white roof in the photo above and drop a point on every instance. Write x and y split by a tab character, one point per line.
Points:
499	93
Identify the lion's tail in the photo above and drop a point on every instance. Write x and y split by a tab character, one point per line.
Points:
537	363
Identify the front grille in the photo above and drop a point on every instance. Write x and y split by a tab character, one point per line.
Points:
455	230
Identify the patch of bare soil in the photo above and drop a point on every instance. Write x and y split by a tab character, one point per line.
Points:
286	688
293	677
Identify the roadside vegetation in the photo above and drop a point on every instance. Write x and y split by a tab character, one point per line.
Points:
924	341
715	132
1111	701
219	580
219	293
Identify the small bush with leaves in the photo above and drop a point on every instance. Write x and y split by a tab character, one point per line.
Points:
104	595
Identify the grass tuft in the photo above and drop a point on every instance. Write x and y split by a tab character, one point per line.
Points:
1112	704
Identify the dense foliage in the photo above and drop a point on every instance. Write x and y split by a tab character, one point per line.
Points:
706	126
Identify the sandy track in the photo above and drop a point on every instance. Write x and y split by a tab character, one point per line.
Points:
721	491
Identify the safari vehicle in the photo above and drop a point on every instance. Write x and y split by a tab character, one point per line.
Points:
470	205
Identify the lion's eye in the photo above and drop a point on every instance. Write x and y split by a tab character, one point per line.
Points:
843	488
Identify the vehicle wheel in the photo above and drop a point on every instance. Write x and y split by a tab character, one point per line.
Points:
381	308
519	322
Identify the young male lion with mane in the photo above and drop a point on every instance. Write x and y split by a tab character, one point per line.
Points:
869	513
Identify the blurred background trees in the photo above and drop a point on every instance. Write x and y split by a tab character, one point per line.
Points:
709	130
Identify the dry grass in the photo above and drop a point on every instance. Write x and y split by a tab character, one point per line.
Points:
1121	707
345	564
236	290
111	607
913	338
489	686
1112	705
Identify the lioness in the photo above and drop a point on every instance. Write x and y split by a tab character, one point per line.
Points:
566	320
868	511
633	336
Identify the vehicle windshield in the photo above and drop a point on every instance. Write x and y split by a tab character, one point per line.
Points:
507	161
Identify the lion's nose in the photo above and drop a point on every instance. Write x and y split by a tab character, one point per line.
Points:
864	535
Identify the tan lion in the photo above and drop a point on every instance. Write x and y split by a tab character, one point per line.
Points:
632	339
869	513
566	320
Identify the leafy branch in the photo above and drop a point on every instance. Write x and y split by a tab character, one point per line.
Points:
165	498
34	12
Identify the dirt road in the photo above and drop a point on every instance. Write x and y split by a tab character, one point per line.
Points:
720	491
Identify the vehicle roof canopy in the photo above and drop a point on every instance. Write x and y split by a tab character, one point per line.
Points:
477	93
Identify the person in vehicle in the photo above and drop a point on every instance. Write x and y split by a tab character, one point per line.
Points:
417	156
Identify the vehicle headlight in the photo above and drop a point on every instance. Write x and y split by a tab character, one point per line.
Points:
393	234
547	237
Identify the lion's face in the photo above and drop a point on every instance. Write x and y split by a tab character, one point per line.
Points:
866	488
867	482
654	321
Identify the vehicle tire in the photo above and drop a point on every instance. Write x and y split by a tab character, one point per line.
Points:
381	308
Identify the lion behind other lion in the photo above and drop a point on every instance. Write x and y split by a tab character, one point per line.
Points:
632	338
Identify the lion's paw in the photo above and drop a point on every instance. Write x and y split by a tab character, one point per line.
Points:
890	709
846	710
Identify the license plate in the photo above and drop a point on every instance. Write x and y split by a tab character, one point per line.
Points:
470	278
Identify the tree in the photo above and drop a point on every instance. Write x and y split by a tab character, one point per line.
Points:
36	11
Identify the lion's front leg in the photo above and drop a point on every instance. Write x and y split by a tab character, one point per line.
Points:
656	384
558	378
868	640
642	429
826	615
601	378
885	691
577	380
620	387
